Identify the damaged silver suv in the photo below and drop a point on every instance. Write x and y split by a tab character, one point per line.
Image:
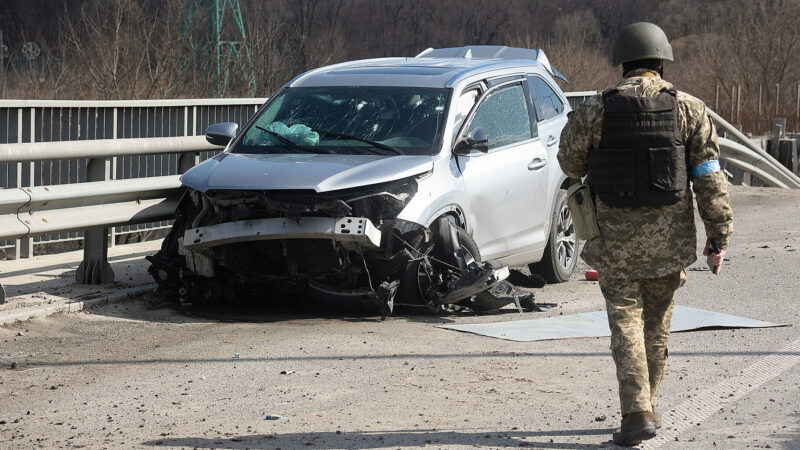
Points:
412	181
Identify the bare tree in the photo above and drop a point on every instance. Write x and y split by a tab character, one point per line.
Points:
125	49
751	47
115	49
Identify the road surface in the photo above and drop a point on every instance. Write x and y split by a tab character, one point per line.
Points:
121	376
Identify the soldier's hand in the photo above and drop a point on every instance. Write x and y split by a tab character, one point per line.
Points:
714	259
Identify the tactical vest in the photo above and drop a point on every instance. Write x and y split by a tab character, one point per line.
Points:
641	160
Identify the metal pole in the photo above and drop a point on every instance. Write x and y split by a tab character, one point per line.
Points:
733	95
3	87
758	127
777	97
95	268
112	241
26	245
716	99
18	242
797	114
738	104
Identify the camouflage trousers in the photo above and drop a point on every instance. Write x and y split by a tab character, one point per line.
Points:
639	315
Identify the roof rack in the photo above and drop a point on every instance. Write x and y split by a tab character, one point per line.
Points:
493	52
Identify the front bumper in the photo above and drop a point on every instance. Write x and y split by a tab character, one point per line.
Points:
356	230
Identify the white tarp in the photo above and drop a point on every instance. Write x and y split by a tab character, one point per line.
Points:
595	324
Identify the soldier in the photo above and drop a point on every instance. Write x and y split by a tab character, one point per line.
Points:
641	143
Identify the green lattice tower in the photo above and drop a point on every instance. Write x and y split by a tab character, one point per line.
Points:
226	46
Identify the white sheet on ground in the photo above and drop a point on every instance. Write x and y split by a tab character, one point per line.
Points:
595	324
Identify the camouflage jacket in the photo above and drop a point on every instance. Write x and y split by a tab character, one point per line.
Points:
651	242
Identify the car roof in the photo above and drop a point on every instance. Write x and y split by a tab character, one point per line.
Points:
436	68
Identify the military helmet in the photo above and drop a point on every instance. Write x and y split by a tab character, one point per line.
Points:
641	40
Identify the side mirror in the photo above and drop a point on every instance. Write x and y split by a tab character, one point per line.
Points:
477	139
221	133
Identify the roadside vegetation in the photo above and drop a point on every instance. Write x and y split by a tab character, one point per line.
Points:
734	54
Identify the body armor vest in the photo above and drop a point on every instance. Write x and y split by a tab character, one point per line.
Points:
641	160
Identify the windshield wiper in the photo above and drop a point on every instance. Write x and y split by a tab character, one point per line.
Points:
366	141
292	144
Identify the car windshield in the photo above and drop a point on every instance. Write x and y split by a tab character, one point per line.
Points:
349	120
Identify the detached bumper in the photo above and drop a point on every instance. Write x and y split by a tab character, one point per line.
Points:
356	230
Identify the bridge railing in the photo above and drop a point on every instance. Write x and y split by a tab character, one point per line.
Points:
82	167
105	125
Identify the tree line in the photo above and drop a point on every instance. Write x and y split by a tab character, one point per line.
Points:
737	55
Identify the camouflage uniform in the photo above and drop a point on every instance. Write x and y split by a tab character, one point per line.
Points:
641	252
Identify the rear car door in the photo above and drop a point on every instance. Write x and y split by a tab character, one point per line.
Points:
550	118
504	186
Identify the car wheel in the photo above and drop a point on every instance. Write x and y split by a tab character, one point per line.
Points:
561	252
416	278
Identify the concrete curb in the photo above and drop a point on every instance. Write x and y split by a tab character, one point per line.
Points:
71	306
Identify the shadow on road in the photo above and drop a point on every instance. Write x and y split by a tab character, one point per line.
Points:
282	308
390	439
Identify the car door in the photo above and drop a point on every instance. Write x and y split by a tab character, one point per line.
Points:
504	186
550	120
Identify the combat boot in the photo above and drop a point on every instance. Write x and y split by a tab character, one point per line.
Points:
636	427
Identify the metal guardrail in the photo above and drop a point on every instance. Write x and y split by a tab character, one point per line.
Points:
41	210
90	199
29	212
71	169
86	129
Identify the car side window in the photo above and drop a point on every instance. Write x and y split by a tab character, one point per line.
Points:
504	116
546	101
465	103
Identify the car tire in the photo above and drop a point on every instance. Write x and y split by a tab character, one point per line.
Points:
561	253
443	251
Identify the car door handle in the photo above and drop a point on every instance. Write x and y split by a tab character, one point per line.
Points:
551	141
537	163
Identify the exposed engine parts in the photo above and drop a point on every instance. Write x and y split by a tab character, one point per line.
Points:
346	247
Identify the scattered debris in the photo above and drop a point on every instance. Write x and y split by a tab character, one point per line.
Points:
235	356
591	275
274	417
600	418
521	279
20	333
287	372
14	365
502	294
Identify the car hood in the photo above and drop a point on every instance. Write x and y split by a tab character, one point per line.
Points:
301	171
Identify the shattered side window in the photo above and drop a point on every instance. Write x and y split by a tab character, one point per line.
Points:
504	116
547	102
349	120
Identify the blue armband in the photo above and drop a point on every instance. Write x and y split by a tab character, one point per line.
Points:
705	168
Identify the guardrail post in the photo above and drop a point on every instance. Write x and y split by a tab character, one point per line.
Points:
187	160
95	268
23	248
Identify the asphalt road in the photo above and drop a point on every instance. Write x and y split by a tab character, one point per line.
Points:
120	376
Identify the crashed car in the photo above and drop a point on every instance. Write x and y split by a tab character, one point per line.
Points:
414	181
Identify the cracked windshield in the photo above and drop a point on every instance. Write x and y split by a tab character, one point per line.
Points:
347	120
